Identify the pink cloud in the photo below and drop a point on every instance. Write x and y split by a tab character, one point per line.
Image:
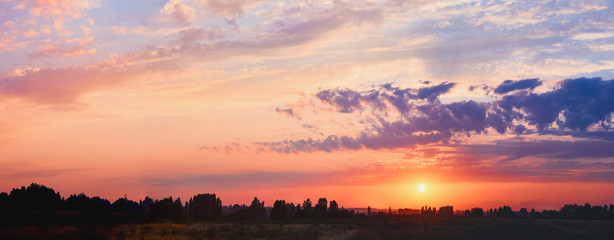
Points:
48	51
30	33
66	8
80	46
64	85
228	8
179	10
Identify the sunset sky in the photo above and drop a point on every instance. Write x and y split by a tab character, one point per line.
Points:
484	102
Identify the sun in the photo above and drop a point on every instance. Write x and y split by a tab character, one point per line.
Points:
421	187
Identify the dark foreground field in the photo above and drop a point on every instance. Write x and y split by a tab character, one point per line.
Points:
390	227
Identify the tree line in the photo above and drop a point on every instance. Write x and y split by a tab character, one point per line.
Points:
38	204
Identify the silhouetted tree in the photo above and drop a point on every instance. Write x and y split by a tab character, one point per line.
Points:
291	210
83	203
166	209
477	212
505	212
35	198
446	211
428	211
333	209
307	206
125	205
146	203
279	210
467	213
205	207
230	209
320	210
256	209
523	213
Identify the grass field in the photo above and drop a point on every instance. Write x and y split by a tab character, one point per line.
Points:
396	227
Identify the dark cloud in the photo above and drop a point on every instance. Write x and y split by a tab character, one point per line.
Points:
347	100
580	102
432	93
435	122
576	105
510	85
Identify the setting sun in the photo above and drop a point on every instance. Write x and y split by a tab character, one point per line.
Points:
421	187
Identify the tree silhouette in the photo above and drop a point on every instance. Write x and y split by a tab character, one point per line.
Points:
205	207
40	205
446	211
477	212
125	205
505	212
146	203
279	210
83	203
320	210
256	209
35	198
307	205
166	209
333	209
291	209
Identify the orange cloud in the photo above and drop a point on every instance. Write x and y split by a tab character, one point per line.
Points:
66	8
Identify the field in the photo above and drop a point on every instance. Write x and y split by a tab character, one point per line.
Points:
390	227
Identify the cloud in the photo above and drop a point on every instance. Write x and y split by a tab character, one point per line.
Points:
575	105
63	85
160	58
65	8
30	33
48	173
119	30
429	123
233	9
179	10
238	181
432	93
76	47
510	85
195	35
289	112
514	149
581	103
347	100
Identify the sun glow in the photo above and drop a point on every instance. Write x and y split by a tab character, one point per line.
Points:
421	187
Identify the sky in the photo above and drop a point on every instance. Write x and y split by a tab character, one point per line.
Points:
486	103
